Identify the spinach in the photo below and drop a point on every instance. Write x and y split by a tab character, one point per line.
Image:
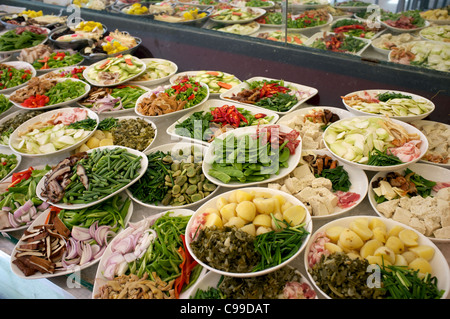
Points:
423	186
280	102
386	96
379	158
338	177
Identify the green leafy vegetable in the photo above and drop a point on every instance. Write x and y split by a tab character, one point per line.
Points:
338	177
379	158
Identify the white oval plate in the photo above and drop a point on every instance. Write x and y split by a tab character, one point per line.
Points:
400	30
435	28
14	137
308	92
156	81
7	151
212	279
409	128
173	148
100	280
319	35
11	116
427	171
59	71
373	93
144	163
212	204
250	130
40	220
44	71
20	65
438	262
18	50
258	11
357	177
376	34
87	88
206	107
284	120
315	28
161	89
112	113
242	4
432	123
95	83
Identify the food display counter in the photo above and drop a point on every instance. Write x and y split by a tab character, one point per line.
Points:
325	77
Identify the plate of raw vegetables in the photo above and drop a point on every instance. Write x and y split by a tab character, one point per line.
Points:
263	4
76	239
406	21
399	105
14	40
356	28
141	251
10	163
309	21
14	75
326	186
407	264
252	155
308	4
59	92
75	71
174	178
338	42
21	205
215	117
113	100
270	229
352	6
276	95
114	71
53	132
57	60
237	15
168	100
417	196
375	143
217	81
100	173
284	283
157	71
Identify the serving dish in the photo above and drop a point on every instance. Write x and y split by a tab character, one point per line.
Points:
420	217
208	208
302	92
217	145
438	262
364	122
311	30
20	65
254	12
400	30
320	35
18	50
168	67
43	71
307	4
206	107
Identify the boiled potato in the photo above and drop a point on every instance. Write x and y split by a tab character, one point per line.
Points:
424	251
394	231
213	219
262	195
376	222
83	148
106	142
281	199
93	142
363	221
369	247
395	244
409	237
294	215
400	260
228	211
108	134
263	220
286	206
420	264
220	202
246	210
334	232
262	230
264	205
277	224
249	229
243	196
350	240
235	221
380	234
232	197
361	227
385	253
409	256
212	210
377	260
333	248
99	134
353	255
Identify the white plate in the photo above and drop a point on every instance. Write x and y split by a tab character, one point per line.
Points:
237	28
436	28
156	81
161	89
100	280
432	123
319	35
40	220
212	279
59	71
20	65
144	163
438	262
176	76
11	116
307	92
174	147
7	151
44	71
379	50
213	103
18	50
400	30
376	35
351	8
304	5
87	88
242	4
375	92
357	177
14	137
251	131
112	113
303	111
409	128
212	204
259	13
95	83
312	29
427	171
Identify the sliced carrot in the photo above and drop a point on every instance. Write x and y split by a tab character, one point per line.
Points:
272	38
214	73
128	61
298	40
224	85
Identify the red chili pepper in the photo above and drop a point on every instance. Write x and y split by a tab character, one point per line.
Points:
36	101
260	116
187	265
19	176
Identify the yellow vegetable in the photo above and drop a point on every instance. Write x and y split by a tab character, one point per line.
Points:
246	210
409	237
350	240
334	232
394	243
424	251
294	215
420	264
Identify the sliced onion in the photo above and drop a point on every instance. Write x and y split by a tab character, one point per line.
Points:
32	211
99	253
115	258
93	228
12	221
43	206
109	272
130	257
121	268
80	233
6	209
71	246
19	212
86	256
100	234
124	246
